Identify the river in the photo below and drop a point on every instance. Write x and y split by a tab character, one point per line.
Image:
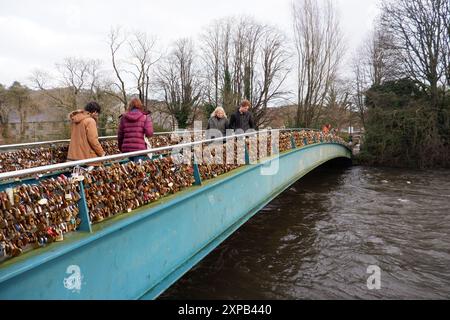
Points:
318	238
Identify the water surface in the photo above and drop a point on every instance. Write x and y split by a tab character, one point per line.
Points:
317	239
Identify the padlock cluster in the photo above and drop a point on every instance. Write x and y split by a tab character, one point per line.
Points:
36	157
32	215
30	158
305	137
120	188
42	156
212	166
285	141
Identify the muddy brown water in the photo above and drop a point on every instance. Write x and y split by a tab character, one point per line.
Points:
317	239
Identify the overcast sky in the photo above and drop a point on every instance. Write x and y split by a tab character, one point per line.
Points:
38	34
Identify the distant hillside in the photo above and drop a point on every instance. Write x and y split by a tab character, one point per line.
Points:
281	117
40	109
284	116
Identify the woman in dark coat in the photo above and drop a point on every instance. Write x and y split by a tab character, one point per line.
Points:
217	123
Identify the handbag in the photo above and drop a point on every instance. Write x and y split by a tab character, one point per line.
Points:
149	146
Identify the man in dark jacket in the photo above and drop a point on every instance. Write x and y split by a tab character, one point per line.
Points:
242	119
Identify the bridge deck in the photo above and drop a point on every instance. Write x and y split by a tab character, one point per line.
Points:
140	254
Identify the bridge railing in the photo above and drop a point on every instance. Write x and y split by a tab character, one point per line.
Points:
39	205
71	164
28	155
7	147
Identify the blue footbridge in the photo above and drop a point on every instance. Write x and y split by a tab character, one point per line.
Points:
140	253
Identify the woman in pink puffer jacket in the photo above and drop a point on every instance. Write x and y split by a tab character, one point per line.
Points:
133	126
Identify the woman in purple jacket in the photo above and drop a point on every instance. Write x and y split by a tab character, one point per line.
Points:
133	126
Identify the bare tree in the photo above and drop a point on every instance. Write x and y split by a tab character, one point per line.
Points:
76	81
246	60
43	81
4	113
4	108
74	73
179	82
95	80
418	29
138	65
246	41
374	63
227	90
338	104
360	84
142	47
211	40
269	76
18	96
219	44
445	17
79	75
115	43
319	47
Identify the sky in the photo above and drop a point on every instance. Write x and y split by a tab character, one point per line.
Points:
38	34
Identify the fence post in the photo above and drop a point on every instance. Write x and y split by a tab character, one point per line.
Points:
197	176
247	155
293	144
84	211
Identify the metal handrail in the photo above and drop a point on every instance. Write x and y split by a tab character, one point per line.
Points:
70	164
299	129
33	144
